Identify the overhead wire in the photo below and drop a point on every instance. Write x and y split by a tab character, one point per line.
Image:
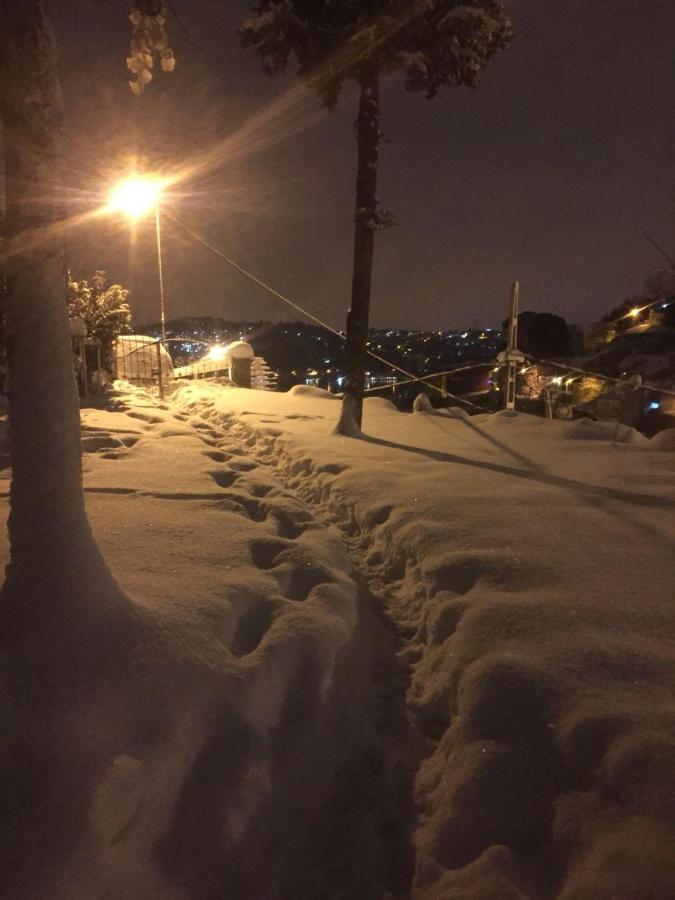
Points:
409	377
566	368
304	312
456	371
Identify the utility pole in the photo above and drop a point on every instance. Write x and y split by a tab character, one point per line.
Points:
512	356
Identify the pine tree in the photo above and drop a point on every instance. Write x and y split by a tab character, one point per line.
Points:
434	43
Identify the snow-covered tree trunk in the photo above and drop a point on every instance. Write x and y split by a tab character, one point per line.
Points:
52	551
368	136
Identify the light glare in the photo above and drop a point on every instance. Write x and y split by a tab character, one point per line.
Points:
216	353
136	197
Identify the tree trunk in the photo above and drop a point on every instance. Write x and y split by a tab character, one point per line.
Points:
70	683
64	622
368	135
51	544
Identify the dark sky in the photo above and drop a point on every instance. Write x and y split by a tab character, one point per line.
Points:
550	172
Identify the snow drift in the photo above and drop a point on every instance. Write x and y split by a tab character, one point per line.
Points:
435	661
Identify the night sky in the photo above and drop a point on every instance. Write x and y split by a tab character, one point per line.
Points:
550	172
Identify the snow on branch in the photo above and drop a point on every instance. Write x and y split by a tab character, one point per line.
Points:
149	42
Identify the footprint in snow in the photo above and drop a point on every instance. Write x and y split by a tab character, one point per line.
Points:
294	572
265	551
252	628
205	428
91	443
216	455
224	478
296	581
148	418
243	465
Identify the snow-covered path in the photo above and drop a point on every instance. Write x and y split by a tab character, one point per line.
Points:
308	738
224	541
437	662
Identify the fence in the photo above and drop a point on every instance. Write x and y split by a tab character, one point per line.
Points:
144	360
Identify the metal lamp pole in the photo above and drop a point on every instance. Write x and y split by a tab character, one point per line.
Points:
160	272
137	196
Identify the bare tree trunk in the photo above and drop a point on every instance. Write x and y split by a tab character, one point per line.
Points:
368	135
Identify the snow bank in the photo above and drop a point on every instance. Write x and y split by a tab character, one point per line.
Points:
248	694
307	390
664	440
435	661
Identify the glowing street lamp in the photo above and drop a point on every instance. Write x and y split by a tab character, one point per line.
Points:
136	197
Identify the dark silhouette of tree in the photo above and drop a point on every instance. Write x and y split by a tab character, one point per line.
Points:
543	335
434	43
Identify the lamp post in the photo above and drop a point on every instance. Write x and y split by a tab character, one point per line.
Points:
160	271
512	356
136	197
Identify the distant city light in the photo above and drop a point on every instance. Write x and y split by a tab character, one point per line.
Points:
635	311
654	405
216	352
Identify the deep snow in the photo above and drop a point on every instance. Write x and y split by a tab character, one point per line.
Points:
437	661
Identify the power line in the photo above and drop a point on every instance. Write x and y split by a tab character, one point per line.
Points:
565	368
270	290
483	365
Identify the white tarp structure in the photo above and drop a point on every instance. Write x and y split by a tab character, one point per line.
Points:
136	358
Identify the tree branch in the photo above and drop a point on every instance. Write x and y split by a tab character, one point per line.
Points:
661	250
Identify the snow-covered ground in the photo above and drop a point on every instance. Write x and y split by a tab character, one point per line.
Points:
434	662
